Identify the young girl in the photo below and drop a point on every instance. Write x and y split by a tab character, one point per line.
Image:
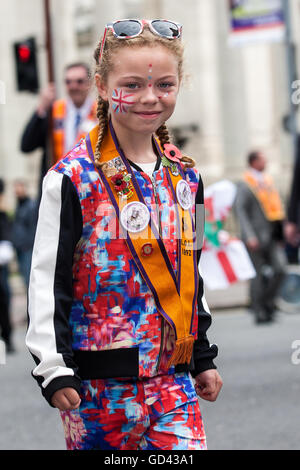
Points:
117	323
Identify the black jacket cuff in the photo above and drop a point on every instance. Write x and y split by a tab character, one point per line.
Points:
205	362
59	383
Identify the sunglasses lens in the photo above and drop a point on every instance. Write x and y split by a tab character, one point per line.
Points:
127	28
166	28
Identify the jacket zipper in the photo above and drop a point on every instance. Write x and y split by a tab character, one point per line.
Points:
160	233
156	204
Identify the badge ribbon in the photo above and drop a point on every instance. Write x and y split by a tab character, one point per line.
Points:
175	296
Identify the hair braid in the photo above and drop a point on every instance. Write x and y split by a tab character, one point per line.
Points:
102	116
163	135
189	162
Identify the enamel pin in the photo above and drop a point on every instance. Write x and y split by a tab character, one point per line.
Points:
135	217
184	194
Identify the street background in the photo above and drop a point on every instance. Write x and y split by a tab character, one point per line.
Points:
238	97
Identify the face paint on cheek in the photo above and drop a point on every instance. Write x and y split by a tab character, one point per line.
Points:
165	95
121	100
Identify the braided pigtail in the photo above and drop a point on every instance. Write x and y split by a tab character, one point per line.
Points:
189	162
163	135
164	138
102	115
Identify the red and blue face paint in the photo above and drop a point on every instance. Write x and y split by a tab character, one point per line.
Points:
121	100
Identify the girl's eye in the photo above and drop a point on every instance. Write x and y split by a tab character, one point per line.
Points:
132	86
166	85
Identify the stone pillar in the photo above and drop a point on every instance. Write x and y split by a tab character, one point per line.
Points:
199	100
64	40
254	98
232	94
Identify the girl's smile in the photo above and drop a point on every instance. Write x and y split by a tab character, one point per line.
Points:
148	114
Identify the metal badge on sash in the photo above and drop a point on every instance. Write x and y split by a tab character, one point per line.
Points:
184	194
135	217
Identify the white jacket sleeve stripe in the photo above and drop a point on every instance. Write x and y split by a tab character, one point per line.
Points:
41	335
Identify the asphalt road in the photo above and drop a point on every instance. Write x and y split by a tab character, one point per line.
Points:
258	407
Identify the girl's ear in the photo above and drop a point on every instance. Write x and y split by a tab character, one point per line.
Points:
101	87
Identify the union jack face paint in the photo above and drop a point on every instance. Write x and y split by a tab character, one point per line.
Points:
121	100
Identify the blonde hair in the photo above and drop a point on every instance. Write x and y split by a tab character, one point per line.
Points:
112	46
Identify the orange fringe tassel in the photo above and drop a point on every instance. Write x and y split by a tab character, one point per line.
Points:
182	353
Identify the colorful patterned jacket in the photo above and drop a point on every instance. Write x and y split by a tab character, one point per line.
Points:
91	314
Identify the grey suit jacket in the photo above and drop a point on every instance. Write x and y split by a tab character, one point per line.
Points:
250	216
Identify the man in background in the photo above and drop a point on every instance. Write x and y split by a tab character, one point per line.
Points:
292	225
65	120
6	255
23	228
260	213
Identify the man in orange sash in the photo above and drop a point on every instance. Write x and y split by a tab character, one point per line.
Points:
260	213
72	118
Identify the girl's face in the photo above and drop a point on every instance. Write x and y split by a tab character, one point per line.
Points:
141	88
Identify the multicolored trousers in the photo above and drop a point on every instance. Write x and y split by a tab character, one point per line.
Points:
160	413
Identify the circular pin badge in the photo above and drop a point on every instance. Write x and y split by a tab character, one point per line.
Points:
184	194
174	169
147	249
135	217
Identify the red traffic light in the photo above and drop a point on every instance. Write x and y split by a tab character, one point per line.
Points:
24	53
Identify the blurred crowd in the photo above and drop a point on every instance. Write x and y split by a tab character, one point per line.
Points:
17	233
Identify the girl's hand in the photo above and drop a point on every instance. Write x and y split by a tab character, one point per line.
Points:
47	98
66	399
208	384
253	244
292	233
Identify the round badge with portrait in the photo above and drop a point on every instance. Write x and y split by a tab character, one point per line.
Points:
135	217
184	195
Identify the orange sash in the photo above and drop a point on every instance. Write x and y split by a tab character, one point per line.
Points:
175	296
267	196
59	115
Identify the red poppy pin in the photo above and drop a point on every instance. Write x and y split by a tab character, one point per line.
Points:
172	153
119	182
122	184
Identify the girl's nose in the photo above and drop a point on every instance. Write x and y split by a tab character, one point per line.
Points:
149	95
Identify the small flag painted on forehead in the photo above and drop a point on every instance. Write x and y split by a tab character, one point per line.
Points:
121	100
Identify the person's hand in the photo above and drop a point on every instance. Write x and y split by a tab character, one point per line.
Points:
47	98
66	399
208	384
291	233
252	244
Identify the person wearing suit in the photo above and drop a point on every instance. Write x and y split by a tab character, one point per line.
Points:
71	118
6	253
260	214
292	225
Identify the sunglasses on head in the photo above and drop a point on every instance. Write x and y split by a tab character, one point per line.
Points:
128	29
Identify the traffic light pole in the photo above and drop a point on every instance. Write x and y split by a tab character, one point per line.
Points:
51	76
49	41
